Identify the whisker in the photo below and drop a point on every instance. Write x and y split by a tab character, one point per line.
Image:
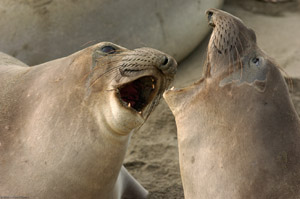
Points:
239	40
214	66
97	68
206	71
106	72
239	63
112	78
231	60
87	43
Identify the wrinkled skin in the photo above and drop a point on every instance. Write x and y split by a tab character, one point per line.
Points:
238	131
63	128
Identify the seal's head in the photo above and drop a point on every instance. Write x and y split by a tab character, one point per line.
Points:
232	56
135	81
233	47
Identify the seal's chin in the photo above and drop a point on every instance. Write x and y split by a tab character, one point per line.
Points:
138	94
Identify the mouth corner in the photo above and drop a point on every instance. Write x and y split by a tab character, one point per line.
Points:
173	91
138	94
169	92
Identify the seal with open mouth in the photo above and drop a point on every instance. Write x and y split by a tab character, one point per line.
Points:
238	131
65	124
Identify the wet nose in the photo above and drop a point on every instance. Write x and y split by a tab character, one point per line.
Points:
165	60
168	65
210	14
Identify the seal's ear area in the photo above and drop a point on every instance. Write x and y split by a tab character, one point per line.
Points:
254	69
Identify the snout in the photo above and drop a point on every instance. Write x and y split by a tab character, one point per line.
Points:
211	15
149	58
168	65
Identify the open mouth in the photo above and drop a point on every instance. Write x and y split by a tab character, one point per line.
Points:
138	93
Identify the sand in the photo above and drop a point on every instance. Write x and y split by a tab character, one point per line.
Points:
152	157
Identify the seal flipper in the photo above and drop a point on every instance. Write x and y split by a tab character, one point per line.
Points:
128	187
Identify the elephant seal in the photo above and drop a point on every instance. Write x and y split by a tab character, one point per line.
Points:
61	27
65	124
238	131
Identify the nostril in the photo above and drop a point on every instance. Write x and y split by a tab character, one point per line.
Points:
168	65
166	60
209	15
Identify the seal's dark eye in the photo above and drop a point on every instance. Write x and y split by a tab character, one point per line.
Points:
255	61
108	49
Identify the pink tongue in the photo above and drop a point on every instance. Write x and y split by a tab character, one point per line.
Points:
130	94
